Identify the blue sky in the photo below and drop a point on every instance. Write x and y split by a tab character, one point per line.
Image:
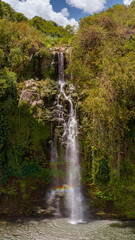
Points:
63	12
77	13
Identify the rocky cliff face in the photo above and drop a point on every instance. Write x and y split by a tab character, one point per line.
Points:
30	94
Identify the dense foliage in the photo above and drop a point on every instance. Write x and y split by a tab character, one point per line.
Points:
55	34
103	63
7	12
24	151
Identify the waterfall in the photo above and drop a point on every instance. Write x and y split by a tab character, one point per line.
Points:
74	195
72	182
53	195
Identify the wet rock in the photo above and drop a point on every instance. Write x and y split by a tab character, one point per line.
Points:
34	103
26	96
40	103
29	96
34	89
57	202
37	103
57	49
30	83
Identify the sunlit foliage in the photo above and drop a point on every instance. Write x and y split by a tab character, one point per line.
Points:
102	66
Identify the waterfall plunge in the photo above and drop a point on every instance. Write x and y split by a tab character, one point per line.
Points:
74	196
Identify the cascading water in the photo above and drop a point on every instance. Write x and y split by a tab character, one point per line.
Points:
72	155
53	196
72	188
74	196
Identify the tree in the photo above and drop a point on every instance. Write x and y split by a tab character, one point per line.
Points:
7	87
132	5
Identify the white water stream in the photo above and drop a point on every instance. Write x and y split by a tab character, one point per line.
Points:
72	188
74	195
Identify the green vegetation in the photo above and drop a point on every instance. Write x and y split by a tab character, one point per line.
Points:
23	150
103	63
103	68
7	12
25	131
54	34
25	44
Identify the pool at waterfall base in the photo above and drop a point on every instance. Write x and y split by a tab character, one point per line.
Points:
61	229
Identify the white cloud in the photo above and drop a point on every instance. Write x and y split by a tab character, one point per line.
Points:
65	12
42	8
127	2
88	6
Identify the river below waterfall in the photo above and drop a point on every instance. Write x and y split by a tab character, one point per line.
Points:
60	229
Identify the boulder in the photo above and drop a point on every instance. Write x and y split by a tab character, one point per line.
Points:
30	83
29	96
37	103
26	96
34	89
